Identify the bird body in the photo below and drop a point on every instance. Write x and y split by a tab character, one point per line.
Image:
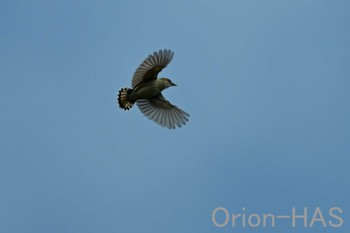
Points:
150	89
146	92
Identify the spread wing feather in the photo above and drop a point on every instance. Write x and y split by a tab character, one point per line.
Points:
151	66
163	112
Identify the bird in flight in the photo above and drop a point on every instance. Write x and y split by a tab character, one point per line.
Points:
147	90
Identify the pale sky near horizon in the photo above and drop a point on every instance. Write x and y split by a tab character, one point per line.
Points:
266	84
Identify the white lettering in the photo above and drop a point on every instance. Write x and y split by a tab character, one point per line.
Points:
318	216
340	219
213	216
265	216
294	217
234	217
250	222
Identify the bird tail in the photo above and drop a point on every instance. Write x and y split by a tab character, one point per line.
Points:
123	99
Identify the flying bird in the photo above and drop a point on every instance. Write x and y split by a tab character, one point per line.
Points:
147	90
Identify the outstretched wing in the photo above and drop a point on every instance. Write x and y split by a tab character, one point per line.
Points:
161	111
151	66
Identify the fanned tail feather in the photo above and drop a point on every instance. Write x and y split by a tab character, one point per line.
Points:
123	101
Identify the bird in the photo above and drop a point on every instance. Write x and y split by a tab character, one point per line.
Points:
147	89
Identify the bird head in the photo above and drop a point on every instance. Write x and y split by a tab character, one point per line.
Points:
167	82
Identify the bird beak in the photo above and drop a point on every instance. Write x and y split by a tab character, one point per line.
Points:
173	84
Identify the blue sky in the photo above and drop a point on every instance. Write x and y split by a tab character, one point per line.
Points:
266	84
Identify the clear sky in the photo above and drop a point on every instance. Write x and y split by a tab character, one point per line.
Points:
266	84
